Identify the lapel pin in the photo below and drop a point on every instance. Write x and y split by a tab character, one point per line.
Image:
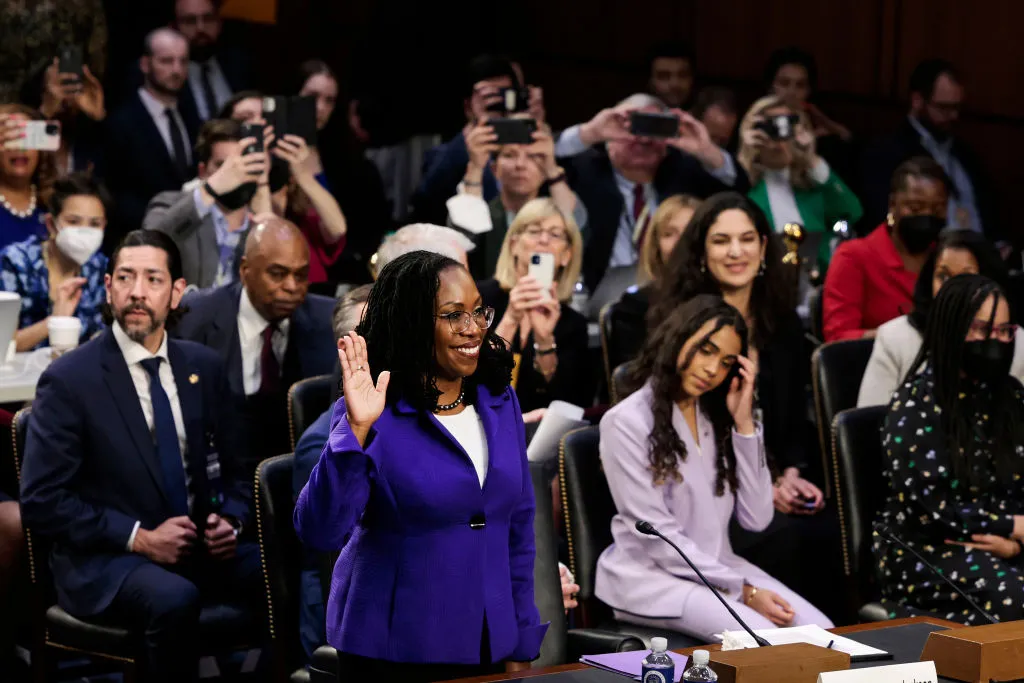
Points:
193	379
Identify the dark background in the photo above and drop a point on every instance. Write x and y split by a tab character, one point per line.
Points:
587	54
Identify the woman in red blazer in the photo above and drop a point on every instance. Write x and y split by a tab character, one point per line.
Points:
871	280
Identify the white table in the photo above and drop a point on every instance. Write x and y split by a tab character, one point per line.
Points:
18	380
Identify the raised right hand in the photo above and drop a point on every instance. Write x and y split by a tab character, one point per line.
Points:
238	169
607	125
67	296
11	130
364	402
755	138
525	295
481	143
169	543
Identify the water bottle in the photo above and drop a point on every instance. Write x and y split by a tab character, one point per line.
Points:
658	666
700	671
580	297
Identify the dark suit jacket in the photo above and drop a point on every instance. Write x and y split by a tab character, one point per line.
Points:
883	156
91	468
591	176
444	167
138	165
234	63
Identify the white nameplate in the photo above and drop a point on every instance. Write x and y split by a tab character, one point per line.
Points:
918	672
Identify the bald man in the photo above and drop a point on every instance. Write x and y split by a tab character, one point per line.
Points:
149	139
269	330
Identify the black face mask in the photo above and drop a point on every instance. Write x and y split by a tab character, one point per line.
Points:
919	232
988	360
238	197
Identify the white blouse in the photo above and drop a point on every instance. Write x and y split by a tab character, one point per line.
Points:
468	430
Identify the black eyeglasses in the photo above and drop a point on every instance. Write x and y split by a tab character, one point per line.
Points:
459	320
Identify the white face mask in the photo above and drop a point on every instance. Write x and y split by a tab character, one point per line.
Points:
79	243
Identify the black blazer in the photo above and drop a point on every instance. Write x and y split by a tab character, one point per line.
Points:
138	165
628	325
592	177
572	381
882	157
91	468
235	64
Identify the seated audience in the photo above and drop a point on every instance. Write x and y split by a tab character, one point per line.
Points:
717	109
209	220
268	331
124	434
11	546
522	171
629	315
952	441
79	104
547	337
215	70
423	237
621	178
26	178
871	280
936	99
149	137
61	275
790	182
670	66
245	106
695	407
898	341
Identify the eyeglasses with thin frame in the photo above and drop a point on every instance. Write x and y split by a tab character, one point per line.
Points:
1004	333
535	232
459	320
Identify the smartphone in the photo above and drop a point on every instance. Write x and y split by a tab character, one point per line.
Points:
302	118
514	100
275	113
781	127
253	130
542	269
517	131
70	61
41	135
653	125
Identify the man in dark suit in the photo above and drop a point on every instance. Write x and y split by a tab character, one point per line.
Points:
149	138
936	98
216	71
268	329
130	469
621	178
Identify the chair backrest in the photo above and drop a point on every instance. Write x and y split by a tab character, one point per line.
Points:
547	589
280	549
588	508
605	325
860	491
620	377
307	400
836	371
816	308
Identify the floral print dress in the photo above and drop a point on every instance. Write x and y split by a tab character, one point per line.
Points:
927	503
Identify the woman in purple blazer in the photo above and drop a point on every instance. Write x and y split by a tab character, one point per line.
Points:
425	488
685	454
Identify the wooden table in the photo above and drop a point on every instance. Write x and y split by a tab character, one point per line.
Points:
842	630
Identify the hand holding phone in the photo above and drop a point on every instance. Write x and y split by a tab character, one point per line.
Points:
513	131
38	135
542	269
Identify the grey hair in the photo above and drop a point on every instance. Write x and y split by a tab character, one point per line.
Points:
423	237
640	100
347	310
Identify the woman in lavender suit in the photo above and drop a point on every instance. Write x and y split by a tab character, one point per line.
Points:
684	453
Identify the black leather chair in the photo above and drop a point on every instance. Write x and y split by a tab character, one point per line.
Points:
307	400
619	383
836	371
222	627
604	320
588	509
860	492
816	307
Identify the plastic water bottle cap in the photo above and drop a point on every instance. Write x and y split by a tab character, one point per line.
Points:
701	657
659	644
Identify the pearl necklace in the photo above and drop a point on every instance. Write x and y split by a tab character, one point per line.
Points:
451	406
20	214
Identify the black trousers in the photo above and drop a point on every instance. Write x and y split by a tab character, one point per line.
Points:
164	605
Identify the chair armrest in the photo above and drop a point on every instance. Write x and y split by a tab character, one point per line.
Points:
873	612
324	667
592	641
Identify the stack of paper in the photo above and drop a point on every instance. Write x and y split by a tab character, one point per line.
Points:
815	635
560	419
631	663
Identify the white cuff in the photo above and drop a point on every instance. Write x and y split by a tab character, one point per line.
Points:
130	545
201	208
726	173
820	172
569	143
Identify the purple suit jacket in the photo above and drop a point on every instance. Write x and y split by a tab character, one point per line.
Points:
415	581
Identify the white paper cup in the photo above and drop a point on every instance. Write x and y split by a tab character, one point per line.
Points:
64	332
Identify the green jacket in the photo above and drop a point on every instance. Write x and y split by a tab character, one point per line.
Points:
819	207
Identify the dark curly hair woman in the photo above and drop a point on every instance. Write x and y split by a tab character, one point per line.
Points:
685	453
424	487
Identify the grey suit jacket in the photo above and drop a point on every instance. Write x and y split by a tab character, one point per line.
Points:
175	214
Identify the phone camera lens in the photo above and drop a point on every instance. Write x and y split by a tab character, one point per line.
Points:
52	129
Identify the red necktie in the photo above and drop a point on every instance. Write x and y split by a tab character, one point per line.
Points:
639	203
270	369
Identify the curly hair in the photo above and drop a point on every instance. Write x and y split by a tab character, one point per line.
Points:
45	174
774	293
658	364
399	323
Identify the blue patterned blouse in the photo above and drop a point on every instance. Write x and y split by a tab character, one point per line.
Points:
23	271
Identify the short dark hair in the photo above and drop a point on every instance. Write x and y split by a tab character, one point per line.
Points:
229	107
487	66
723	98
791	55
925	74
149	238
79	184
673	49
920	167
214	131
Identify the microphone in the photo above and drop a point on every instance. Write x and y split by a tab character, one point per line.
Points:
648	529
890	536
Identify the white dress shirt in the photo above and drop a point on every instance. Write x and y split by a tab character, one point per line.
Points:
134	353
158	112
468	430
781	198
250	338
218	81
